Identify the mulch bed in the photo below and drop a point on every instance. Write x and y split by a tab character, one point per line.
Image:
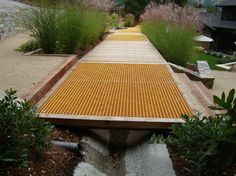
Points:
55	162
180	164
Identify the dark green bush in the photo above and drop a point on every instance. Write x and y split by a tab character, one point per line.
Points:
28	46
174	42
208	143
21	131
225	60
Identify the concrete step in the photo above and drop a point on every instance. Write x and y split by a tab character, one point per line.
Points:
197	96
206	93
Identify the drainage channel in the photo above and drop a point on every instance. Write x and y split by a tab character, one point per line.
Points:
120	153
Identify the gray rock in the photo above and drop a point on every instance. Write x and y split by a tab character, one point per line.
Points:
85	169
149	160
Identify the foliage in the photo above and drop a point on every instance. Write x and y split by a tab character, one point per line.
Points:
173	14
225	60
28	46
42	23
129	20
174	42
79	27
212	9
21	130
113	21
135	7
103	5
208	143
64	28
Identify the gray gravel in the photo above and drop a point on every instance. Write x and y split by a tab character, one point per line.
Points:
10	17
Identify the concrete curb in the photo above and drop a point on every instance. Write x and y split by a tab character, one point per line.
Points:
40	89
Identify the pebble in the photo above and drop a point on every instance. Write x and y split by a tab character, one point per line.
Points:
9	11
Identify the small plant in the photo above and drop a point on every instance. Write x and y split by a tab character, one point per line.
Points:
208	143
21	131
174	42
129	20
28	46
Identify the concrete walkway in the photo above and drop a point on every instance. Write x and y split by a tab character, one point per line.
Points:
22	72
224	82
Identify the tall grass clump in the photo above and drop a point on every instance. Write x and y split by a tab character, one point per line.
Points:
174	42
79	27
64	28
43	25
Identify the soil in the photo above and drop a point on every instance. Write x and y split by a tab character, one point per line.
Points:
180	163
56	161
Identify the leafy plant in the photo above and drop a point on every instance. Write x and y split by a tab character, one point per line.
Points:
28	46
208	143
129	20
174	42
21	131
113	20
225	60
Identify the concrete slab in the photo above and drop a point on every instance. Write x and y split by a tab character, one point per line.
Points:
224	82
85	169
149	160
143	159
22	72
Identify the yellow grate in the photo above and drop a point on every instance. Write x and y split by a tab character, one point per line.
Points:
131	30
117	37
128	90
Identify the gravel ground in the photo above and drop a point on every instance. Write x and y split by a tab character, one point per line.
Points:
22	72
10	17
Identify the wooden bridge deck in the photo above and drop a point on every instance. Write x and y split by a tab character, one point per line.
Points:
123	82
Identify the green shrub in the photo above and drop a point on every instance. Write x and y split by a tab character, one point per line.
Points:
113	20
42	22
28	46
208	143
129	20
64	28
174	42
21	131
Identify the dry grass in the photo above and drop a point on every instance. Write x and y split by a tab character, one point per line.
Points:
173	14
